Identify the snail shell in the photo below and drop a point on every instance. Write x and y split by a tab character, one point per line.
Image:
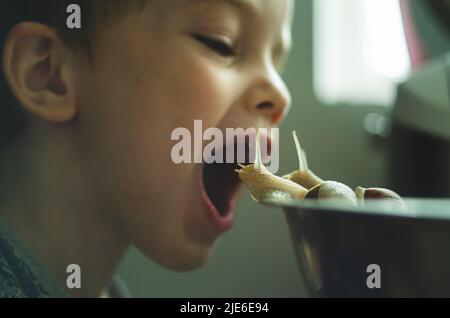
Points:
332	190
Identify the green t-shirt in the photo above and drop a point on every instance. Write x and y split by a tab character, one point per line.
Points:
22	275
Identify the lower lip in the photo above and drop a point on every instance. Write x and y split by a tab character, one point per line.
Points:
221	223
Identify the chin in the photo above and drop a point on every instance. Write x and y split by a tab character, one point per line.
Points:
182	258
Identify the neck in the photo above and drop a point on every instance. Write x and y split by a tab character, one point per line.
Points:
49	205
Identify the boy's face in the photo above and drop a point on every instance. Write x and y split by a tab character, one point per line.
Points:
175	62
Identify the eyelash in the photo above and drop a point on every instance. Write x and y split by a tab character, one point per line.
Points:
217	46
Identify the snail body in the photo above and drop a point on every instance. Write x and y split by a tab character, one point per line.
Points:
263	185
307	179
303	176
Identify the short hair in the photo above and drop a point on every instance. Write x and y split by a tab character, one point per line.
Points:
53	14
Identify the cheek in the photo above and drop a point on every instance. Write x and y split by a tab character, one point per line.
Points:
201	90
125	142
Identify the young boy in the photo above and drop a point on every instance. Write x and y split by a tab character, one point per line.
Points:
85	143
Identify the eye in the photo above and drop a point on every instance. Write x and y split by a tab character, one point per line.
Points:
217	46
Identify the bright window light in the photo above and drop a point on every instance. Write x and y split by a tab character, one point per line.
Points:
360	52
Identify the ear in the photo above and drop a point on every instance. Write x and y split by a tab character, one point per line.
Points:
37	67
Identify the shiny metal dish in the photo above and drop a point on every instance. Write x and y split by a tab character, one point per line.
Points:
338	245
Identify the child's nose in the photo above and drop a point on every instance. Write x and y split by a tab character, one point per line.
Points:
270	98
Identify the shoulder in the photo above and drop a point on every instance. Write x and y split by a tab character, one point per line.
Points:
9	285
17	278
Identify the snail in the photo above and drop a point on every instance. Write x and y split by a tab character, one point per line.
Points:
364	194
263	185
317	188
303	176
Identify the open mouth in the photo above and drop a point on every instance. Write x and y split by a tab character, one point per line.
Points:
220	180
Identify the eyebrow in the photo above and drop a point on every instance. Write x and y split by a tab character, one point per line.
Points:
244	4
194	4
